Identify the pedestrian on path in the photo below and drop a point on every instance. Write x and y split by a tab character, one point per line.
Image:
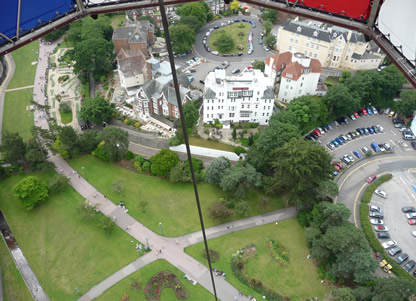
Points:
177	242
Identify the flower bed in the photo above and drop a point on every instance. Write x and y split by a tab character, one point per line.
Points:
162	280
213	255
278	252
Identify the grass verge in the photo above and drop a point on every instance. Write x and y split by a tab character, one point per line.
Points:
143	275
298	279
173	204
233	31
14	287
24	73
214	144
368	228
64	250
15	116
66	117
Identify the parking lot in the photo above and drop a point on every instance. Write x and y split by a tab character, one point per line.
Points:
400	194
391	135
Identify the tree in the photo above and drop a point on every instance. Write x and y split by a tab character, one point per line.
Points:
269	15
216	170
73	34
270	41
240	178
96	110
69	140
36	154
234	133
268	26
87	211
12	147
88	141
224	43
182	37
235	5
97	28
58	184
179	173
108	225
31	191
94	56
191	112
391	80
115	144
118	186
345	75
299	166
191	21
259	65
391	288
218	211
364	86
65	107
327	189
407	103
163	162
250	139
340	101
309	112
282	127
196	9
341	294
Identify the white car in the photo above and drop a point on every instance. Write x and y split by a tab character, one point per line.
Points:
266	48
352	117
215	53
381	193
380	128
389	244
376	221
375	112
411	215
375	209
414	233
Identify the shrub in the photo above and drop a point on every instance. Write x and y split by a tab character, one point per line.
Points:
304	217
175	141
242	208
263	203
162	280
31	191
239	150
108	225
58	184
219	211
100	153
213	255
86	210
129	155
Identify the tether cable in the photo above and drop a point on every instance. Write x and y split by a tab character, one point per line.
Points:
185	134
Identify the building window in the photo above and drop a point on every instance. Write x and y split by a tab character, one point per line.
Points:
300	91
231	114
310	54
207	108
312	46
207	100
307	44
334	58
267	114
317	47
255	113
242	106
212	115
315	55
296	41
263	114
248	106
257	106
207	115
244	114
306	53
291	40
301	84
290	48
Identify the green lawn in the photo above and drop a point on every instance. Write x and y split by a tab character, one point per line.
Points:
173	204
24	74
63	44
210	144
298	280
116	20
66	117
14	287
233	30
64	250
143	275
15	116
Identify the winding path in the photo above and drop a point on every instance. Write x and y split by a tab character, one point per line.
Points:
10	72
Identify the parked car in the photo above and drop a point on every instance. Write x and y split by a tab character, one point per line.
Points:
402	258
235	71
352	117
410	265
357	154
374	110
334	142
376	215
260	40
202	82
408	209
394	251
411	222
330	146
381	228
380	128
351	158
381	193
375	147
389	244
381	147
356	115
215	53
387	146
340	141
370	130
266	48
413	144
364	111
374	209
365	150
383	235
371	179
410	215
317	132
375	221
369	111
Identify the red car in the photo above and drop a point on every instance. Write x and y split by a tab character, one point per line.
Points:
364	111
338	166
250	67
356	115
371	179
317	133
411	221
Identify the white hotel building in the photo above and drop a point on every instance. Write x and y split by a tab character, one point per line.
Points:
247	97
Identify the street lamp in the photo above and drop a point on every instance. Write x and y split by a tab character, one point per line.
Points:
160	227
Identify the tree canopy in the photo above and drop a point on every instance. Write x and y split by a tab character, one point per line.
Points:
240	178
391	80
191	21
196	9
115	143
299	166
224	43
13	147
259	65
31	191
310	111
217	169
270	41
182	37
407	103
163	162
269	15
340	101
96	110
364	86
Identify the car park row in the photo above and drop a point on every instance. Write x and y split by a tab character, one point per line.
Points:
376	218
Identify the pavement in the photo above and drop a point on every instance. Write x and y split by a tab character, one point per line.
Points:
3	86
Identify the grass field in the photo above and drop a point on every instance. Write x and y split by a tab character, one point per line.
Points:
233	30
116	20
24	74
66	117
210	144
173	204
143	276
14	287
15	116
64	250
298	280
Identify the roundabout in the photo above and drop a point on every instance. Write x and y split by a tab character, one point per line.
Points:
258	51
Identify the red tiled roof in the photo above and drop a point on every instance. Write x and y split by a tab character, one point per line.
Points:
279	60
297	69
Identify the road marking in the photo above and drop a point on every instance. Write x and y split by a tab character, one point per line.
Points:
413	196
393	133
372	161
402	180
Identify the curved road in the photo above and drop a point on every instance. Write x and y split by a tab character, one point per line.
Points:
258	52
352	183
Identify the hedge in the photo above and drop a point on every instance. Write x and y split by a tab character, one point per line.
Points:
368	228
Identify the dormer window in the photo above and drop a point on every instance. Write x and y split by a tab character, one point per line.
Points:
289	75
315	33
335	35
299	29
